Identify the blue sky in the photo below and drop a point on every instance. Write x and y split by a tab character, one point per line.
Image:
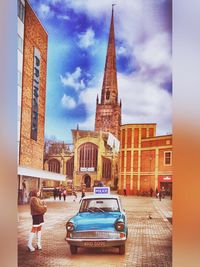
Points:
77	42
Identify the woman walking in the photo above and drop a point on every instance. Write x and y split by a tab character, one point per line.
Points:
38	208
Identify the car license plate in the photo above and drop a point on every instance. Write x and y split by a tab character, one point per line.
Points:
94	244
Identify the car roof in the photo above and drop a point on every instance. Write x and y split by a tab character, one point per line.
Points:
101	196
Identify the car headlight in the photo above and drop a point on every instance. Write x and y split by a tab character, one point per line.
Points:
70	226
119	226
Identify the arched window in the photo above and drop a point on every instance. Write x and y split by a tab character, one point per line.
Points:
70	167
106	168
54	165
107	95
88	154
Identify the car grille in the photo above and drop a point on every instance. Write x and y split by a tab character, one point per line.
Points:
96	234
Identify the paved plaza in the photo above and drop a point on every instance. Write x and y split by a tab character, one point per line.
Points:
149	242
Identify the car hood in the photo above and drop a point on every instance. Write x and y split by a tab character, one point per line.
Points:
95	221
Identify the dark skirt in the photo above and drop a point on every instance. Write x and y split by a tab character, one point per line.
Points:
38	220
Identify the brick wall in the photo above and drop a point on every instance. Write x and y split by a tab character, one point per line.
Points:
31	151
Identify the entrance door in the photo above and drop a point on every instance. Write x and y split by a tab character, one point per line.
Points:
87	181
167	187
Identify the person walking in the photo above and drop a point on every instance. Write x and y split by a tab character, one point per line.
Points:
55	193
82	194
64	193
37	208
160	195
74	194
60	193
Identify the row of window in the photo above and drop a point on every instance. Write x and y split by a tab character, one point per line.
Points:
20	43
21	10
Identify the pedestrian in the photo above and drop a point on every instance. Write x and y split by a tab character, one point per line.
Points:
151	191
37	208
125	192
60	193
74	194
55	193
64	193
83	193
157	192
24	194
160	195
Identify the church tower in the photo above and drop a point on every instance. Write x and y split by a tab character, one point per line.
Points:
108	111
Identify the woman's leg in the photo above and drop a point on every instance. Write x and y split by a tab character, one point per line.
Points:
30	240
39	237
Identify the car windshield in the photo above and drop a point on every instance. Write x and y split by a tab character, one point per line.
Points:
99	205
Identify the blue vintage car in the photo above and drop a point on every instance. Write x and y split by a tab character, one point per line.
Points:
100	222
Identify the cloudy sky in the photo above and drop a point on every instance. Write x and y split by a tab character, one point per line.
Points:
77	42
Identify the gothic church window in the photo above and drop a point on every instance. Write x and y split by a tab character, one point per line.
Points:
107	95
54	165
88	154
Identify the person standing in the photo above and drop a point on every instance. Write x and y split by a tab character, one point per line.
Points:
60	193
151	191
157	192
160	195
64	193
37	208
125	192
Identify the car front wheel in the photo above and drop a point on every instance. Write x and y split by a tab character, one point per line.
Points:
122	249
73	250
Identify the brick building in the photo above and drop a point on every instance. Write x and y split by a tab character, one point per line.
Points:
32	67
145	160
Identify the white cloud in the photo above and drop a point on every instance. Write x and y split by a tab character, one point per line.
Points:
45	11
73	79
87	38
144	38
145	102
64	17
121	51
68	102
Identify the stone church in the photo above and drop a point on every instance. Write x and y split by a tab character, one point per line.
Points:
129	157
96	153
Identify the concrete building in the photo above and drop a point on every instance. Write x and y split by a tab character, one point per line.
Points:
145	160
32	67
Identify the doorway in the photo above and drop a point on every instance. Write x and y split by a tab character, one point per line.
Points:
87	181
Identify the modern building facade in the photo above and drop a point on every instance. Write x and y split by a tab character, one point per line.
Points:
145	160
32	68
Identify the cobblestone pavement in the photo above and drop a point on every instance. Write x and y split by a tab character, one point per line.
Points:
149	243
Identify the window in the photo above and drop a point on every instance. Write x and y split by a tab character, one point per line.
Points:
19	78
168	158
54	165
20	43
70	167
99	205
107	95
21	10
88	154
106	168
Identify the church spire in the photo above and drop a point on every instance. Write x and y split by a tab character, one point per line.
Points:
108	111
109	94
